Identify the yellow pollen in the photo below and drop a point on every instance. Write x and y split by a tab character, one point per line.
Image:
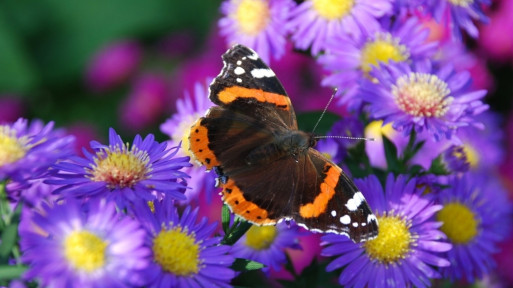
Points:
333	9
177	252
261	237
85	251
253	16
384	48
460	223
393	241
472	155
152	206
120	167
183	132
12	148
462	3
422	95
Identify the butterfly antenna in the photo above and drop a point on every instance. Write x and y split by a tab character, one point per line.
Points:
345	137
325	109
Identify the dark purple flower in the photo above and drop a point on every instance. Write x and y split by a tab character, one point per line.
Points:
113	64
409	246
146	170
69	245
455	159
184	253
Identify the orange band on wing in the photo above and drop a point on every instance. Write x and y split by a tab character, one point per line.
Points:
230	94
318	206
198	140
233	196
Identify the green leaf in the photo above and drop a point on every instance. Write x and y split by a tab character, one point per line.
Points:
10	235
236	231
246	265
393	162
438	167
11	272
307	121
225	218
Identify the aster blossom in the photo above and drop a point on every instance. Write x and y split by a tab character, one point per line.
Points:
348	59
70	245
476	216
258	24
313	22
408	248
27	150
184	253
423	98
147	170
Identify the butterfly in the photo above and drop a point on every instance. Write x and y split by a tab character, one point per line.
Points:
269	170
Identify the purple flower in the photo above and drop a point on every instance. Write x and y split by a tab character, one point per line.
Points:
408	248
146	170
258	24
455	159
184	253
350	60
113	64
266	244
476	216
28	150
458	14
314	22
418	98
189	109
69	245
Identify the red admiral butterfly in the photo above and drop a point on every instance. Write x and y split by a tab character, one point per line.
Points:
267	168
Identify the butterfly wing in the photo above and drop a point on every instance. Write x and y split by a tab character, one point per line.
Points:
247	85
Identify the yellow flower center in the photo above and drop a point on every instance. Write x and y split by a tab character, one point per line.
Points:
177	252
261	237
383	49
333	9
376	130
422	95
460	223
252	16
85	251
12	148
462	3
120	167
472	155
182	133
393	241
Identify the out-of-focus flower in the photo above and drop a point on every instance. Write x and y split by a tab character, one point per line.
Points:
145	171
492	39
350	60
184	253
177	44
68	245
409	246
420	98
455	159
314	22
189	109
457	15
259	24
267	244
472	218
27	151
11	108
84	133
113	64
146	102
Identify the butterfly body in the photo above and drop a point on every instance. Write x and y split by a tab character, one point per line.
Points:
268	169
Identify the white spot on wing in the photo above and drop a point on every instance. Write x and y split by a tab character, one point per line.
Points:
253	56
345	219
371	218
333	213
262	72
353	203
239	62
355	224
239	71
239	80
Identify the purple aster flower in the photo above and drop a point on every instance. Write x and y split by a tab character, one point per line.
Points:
184	253
146	170
27	150
458	14
313	22
475	214
189	109
408	248
69	245
455	159
349	60
266	244
421	99
259	24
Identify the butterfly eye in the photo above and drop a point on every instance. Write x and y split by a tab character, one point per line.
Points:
313	142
